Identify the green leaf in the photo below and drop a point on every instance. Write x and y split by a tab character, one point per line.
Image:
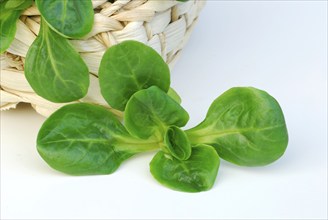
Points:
82	139
174	95
246	126
129	67
10	12
177	143
8	28
69	18
54	69
16	4
196	174
150	111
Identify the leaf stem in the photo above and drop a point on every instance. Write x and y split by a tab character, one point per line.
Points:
137	145
205	135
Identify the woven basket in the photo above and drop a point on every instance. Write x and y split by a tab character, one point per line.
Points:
165	25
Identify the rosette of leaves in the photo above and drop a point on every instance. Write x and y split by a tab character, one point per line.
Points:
244	126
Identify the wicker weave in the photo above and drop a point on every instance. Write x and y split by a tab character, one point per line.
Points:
164	25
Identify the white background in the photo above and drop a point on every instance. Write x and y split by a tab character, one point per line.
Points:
278	46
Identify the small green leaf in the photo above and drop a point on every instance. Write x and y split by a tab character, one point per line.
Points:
54	69
150	111
246	126
82	139
129	67
196	174
10	12
174	95
69	18
177	143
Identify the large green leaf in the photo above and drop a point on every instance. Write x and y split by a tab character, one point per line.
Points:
150	111
70	18
54	69
196	174
246	126
83	139
10	12
129	67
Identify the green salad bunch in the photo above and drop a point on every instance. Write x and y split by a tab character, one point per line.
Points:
244	126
